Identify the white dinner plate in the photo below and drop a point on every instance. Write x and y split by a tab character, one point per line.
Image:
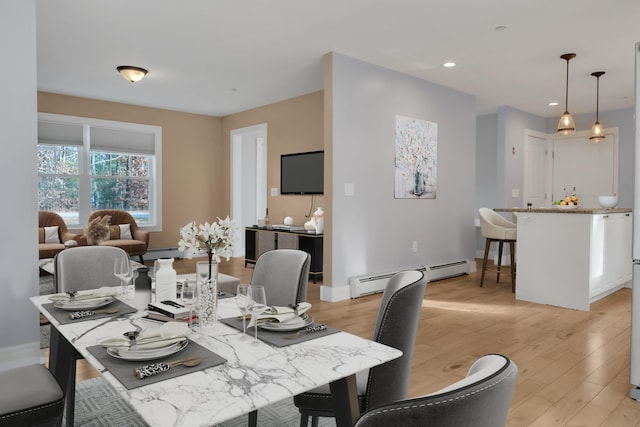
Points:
84	304
150	354
294	324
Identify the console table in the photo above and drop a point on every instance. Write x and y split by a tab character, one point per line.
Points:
259	240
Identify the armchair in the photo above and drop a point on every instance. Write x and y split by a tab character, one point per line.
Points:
124	232
53	234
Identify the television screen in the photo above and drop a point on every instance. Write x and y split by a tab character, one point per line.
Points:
302	173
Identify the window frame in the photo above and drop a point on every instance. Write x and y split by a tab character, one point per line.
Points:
150	144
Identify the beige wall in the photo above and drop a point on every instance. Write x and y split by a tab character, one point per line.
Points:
196	153
194	186
293	125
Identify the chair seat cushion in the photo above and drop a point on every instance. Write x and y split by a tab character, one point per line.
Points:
132	247
49	250
28	395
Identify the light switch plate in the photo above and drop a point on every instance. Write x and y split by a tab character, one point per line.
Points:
348	189
274	192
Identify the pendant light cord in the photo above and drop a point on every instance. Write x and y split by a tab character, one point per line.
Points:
566	90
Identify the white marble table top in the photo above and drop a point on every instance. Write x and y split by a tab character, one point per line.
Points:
255	375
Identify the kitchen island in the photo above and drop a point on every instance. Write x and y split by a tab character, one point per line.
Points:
571	257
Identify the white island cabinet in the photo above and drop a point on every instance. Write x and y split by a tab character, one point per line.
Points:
572	257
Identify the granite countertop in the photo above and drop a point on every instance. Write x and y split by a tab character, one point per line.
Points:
589	211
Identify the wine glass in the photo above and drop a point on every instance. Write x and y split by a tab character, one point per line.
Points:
257	305
243	301
188	296
122	270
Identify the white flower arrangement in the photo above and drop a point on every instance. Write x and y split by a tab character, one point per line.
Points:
217	239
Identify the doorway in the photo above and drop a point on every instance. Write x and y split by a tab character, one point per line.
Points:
248	178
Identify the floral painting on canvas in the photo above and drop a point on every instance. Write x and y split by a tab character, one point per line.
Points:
416	155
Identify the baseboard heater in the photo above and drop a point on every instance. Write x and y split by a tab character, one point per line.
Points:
367	285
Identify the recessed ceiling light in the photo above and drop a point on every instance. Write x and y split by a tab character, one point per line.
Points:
500	28
553	103
449	64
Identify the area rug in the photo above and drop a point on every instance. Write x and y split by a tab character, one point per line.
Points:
98	405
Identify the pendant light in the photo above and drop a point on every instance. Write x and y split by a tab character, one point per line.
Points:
566	125
597	130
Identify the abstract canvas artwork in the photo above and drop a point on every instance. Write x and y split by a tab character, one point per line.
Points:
416	155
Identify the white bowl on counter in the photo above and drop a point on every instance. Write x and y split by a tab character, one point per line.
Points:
608	202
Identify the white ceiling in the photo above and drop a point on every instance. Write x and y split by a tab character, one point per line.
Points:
219	57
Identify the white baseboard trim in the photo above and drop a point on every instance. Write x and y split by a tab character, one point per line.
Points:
335	293
21	355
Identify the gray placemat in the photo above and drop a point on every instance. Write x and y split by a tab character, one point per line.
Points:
62	316
278	338
123	369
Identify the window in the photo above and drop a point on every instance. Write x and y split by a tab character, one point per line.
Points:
88	164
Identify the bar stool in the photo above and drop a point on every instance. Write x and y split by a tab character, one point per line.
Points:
495	228
30	396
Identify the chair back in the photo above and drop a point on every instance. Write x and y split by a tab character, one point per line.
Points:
86	267
117	217
482	399
284	273
495	226
396	326
51	219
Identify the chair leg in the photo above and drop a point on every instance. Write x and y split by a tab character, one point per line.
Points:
499	261
141	259
512	248
304	420
314	421
484	260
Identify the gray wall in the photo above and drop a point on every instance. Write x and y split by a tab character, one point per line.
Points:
19	333
372	231
511	126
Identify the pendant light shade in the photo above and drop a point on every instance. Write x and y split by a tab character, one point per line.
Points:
566	125
597	130
131	73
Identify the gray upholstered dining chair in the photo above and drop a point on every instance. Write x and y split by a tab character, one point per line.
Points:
396	326
284	273
481	399
76	269
30	396
86	267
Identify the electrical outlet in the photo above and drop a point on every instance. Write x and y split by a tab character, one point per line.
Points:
415	246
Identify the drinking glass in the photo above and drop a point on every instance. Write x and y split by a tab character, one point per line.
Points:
188	296
257	305
122	270
243	302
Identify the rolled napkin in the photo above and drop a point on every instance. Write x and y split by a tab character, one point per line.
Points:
278	314
167	334
86	295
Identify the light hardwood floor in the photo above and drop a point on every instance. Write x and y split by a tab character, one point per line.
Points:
573	366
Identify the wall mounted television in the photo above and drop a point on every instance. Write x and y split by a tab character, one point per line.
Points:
302	173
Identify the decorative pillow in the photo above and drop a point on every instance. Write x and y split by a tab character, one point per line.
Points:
51	234
97	230
125	231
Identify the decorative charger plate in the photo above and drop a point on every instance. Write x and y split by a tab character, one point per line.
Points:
84	305
294	324
149	354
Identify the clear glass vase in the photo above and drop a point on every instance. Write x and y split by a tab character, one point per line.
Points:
207	295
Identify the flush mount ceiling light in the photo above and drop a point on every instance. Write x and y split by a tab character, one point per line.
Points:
449	64
566	125
597	130
131	73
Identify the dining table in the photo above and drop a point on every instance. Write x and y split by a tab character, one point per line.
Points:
240	376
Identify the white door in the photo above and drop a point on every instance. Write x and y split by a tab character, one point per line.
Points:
248	178
537	180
